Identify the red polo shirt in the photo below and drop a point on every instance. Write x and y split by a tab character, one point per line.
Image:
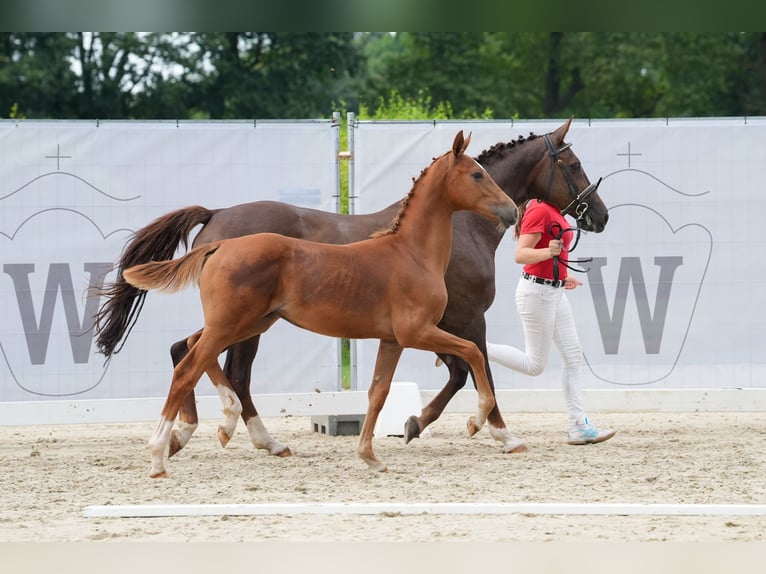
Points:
538	218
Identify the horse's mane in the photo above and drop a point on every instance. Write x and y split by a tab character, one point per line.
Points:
405	202
496	150
500	148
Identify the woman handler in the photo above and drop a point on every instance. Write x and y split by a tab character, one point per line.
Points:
543	245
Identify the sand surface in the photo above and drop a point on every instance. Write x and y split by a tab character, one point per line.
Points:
48	475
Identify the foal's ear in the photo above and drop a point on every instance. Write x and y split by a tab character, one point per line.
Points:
460	144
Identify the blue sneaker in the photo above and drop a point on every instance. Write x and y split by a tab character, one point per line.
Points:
586	433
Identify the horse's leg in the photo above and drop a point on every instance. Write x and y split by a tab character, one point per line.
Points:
432	338
232	407
458	371
385	365
239	360
187	373
497	428
187	417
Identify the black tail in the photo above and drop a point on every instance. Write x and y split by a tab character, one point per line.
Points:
157	241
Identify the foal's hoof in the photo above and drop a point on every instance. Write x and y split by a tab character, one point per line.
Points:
473	428
284	453
223	437
377	466
374	464
510	449
411	429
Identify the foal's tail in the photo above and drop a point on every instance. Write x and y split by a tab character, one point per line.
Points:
173	275
122	301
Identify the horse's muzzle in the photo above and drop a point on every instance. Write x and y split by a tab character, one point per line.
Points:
593	224
507	214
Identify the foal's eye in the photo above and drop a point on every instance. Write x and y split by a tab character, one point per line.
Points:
477	175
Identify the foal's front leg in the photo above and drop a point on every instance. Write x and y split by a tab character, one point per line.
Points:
385	365
445	343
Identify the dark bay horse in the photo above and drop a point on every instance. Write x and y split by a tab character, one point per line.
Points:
532	167
390	287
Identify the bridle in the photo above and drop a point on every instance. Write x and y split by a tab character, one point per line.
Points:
578	199
578	202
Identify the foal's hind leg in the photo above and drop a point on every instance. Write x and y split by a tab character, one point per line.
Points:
201	357
187	417
239	360
232	407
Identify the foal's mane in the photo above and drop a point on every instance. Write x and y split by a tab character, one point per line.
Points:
500	148
405	202
496	150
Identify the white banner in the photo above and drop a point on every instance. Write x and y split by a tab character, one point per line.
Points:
675	297
71	194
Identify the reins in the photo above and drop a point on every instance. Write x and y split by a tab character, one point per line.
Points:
557	232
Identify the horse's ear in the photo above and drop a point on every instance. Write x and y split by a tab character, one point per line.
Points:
460	144
457	144
561	131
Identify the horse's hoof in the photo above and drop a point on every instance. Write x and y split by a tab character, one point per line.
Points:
175	444
223	437
515	449
162	474
375	465
411	429
473	428
284	453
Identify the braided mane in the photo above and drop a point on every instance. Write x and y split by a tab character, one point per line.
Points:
500	148
405	202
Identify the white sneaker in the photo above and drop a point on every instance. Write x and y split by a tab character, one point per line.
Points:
586	433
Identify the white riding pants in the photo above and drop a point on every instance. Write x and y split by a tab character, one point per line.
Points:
547	317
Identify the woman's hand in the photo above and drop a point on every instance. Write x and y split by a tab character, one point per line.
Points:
570	282
554	247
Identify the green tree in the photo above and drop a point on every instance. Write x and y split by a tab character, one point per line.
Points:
267	75
36	75
445	67
461	74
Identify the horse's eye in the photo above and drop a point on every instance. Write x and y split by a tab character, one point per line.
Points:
477	175
575	166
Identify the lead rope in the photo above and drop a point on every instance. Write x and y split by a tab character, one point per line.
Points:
557	232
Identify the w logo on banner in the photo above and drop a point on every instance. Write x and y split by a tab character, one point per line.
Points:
630	274
51	264
644	295
38	331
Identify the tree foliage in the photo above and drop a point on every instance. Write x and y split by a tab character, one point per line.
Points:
529	75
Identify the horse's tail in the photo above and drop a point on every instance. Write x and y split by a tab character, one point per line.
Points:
123	302
173	275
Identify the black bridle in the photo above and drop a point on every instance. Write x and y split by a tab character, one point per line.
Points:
578	202
578	198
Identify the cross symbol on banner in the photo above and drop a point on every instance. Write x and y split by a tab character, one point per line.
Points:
629	154
58	157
